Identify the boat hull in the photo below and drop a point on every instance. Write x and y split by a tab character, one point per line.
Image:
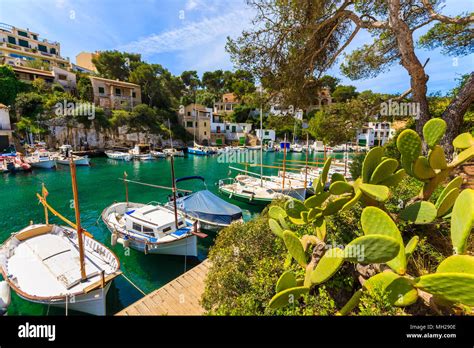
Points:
44	164
198	152
78	162
119	157
93	302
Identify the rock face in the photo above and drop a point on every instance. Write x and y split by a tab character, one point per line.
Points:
81	137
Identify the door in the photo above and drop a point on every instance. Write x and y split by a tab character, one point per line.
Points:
4	143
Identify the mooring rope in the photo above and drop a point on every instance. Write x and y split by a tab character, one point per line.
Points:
135	286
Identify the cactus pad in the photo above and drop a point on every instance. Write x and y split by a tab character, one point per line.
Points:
421	212
294	246
463	141
446	203
325	171
378	192
286	281
314	213
383	170
409	145
353	201
457	264
351	304
437	159
422	169
373	248
336	205
394	179
275	212
288	296
371	161
400	291
340	187
327	266
411	246
433	131
275	227
462	219
376	221
454	287
294	208
316	200
464	156
337	177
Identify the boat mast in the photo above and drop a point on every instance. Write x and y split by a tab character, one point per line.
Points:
306	166
78	218
173	181
261	137
284	163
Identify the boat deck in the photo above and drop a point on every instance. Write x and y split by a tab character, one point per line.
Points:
181	296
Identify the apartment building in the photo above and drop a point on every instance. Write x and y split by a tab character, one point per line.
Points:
227	104
375	134
57	75
115	94
84	61
5	128
18	46
196	119
266	135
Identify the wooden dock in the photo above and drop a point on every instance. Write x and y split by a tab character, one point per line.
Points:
181	296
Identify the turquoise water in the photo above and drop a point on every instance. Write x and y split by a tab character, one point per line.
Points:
99	186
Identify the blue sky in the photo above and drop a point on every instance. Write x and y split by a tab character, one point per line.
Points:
191	34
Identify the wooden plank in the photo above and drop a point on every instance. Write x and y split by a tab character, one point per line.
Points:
180	296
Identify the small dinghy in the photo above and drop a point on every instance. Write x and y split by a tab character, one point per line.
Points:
212	212
65	152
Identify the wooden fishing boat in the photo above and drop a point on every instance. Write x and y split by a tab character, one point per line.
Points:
118	155
42	159
61	266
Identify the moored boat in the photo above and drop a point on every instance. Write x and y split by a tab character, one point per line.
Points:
118	155
42	159
151	229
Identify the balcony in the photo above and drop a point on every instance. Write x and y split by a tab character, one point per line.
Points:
33	51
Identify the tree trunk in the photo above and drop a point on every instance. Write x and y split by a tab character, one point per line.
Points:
410	62
454	114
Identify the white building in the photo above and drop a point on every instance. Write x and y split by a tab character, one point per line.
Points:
65	78
268	135
5	128
375	133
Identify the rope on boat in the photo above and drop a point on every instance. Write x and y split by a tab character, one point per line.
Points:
135	286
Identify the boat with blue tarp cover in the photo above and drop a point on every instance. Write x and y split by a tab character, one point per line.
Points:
211	211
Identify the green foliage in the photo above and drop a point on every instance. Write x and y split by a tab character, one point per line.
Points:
116	65
9	85
462	220
419	212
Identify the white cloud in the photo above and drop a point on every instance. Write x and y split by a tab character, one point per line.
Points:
191	5
192	35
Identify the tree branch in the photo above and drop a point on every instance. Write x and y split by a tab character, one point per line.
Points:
445	19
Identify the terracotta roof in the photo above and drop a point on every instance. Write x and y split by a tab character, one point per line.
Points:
114	82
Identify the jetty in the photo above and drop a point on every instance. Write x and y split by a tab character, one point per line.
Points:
181	296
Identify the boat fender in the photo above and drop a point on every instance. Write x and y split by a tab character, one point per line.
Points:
126	242
113	239
5	297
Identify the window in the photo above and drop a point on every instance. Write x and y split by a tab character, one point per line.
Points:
23	43
205	124
205	133
234	129
167	229
52	50
137	227
62	77
267	132
101	90
118	91
42	48
22	33
189	124
148	231
227	127
189	113
12	40
134	95
35	37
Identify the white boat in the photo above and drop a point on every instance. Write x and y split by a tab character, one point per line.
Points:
151	229
257	147
173	152
296	148
41	263
65	152
118	155
158	154
5	297
141	152
42	159
318	146
253	190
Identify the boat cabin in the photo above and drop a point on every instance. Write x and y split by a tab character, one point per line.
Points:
154	222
